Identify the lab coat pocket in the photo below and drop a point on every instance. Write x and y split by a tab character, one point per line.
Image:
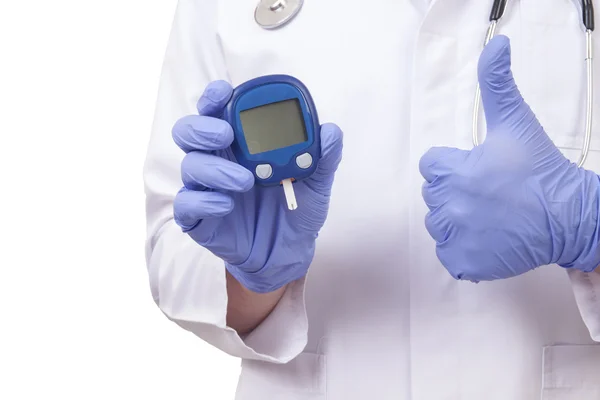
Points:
571	372
303	378
551	72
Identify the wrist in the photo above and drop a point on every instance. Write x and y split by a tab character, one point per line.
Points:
269	278
247	309
268	271
582	230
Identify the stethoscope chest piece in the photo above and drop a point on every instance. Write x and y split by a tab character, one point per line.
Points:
271	14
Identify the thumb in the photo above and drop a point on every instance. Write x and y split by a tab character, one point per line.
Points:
505	109
331	156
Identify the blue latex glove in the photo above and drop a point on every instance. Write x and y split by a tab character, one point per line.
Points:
264	245
515	202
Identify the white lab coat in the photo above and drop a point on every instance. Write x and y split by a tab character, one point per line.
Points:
378	317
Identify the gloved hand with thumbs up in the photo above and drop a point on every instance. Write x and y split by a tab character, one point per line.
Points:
514	203
264	245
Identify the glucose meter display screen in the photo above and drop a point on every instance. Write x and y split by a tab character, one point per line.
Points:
273	126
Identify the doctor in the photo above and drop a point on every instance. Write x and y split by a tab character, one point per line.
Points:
408	215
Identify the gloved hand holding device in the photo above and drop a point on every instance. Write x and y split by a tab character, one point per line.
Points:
263	244
514	203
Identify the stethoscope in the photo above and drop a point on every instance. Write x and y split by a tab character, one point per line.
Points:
587	10
271	14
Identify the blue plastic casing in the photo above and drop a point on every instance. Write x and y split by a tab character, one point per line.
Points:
267	90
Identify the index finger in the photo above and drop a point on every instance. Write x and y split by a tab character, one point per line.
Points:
440	160
205	132
200	133
215	98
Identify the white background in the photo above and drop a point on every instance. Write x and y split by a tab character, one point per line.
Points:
78	83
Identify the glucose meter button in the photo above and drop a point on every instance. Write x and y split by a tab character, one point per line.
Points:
264	171
304	161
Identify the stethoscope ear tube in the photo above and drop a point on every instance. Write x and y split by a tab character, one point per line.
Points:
587	10
498	10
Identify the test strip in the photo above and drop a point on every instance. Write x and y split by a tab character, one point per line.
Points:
290	196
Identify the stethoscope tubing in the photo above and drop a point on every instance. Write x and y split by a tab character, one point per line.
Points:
496	14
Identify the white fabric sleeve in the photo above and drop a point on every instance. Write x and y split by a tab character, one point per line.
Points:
586	287
187	282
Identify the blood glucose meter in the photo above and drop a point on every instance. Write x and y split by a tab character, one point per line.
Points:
276	131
